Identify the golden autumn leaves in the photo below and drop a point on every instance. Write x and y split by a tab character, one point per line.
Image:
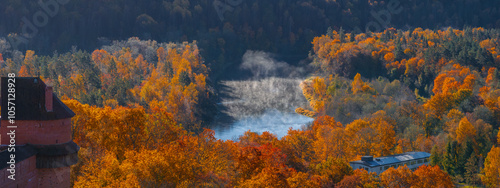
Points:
143	141
373	136
456	100
492	168
177	81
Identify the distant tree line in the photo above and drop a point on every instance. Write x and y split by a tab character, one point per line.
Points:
282	27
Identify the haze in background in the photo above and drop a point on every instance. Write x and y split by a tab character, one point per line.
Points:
266	102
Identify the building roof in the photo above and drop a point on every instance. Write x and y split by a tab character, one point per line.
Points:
30	101
392	159
26	151
57	149
21	153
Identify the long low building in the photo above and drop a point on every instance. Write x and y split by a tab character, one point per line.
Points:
411	159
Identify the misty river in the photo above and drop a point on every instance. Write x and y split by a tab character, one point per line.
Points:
263	103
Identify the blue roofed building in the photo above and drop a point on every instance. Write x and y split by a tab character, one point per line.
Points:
378	165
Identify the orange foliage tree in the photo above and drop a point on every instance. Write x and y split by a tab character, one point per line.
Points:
373	137
360	178
450	88
359	86
400	177
332	171
432	177
331	141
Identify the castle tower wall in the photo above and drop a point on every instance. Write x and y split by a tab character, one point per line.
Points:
26	175
54	177
44	150
38	132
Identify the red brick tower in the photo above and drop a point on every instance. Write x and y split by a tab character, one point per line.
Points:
44	150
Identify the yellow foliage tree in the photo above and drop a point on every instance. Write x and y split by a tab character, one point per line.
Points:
298	147
107	172
453	117
374	136
358	85
319	95
498	137
400	177
331	142
491	177
30	60
465	130
362	136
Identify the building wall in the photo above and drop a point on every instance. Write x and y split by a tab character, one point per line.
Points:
54	177
26	175
412	164
38	132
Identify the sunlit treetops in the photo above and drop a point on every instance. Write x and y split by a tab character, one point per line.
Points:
176	79
373	94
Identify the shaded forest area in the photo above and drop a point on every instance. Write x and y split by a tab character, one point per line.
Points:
226	29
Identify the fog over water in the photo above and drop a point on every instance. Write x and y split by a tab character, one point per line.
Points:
266	102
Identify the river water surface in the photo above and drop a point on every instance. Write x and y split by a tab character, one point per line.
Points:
266	104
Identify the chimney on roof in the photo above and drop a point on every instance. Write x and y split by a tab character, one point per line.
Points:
48	99
367	158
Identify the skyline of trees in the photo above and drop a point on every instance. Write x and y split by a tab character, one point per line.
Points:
281	27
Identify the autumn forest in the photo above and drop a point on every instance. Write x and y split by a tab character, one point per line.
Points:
143	79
